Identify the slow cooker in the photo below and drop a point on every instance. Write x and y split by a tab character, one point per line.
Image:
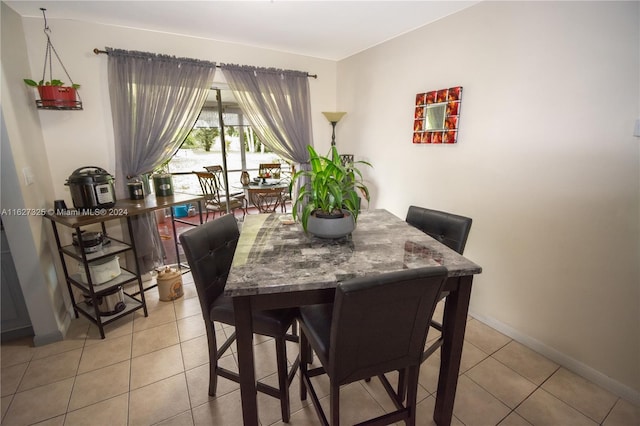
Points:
91	241
91	188
110	302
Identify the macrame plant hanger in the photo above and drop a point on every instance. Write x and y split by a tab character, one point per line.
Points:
53	93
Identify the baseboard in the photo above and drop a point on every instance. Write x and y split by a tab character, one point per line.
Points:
589	373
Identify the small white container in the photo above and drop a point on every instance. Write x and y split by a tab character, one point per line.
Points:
101	270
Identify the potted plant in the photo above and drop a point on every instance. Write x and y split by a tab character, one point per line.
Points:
54	93
331	196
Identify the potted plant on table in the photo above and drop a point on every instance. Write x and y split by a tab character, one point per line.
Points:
330	199
54	93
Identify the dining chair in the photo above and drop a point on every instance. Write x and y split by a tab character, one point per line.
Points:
451	230
377	324
209	249
222	178
273	169
213	201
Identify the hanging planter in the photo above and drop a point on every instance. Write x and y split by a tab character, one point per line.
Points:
53	93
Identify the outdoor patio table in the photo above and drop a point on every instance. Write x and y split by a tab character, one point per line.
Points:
276	265
267	196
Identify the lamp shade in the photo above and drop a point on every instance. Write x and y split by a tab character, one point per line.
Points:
334	117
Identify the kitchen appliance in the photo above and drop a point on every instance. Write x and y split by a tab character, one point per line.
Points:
101	270
110	302
91	188
91	241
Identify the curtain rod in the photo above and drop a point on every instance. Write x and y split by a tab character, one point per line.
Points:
104	52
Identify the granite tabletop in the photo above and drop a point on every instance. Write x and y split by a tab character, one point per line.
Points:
275	255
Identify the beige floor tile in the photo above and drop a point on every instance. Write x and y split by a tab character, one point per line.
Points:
265	359
269	407
156	366
476	406
17	352
182	419
513	419
588	398
155	338
10	378
158	401
195	352
99	385
623	413
107	352
526	362
501	381
376	389
198	381
189	290
55	421
161	315
51	369
544	409
187	307
424	413
484	337
429	372
224	410
361	405
5	401
38	404
191	327
120	327
471	356
111	412
57	348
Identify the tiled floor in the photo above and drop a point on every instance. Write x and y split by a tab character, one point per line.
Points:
154	370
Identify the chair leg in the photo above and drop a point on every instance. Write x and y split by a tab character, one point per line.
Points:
213	359
304	363
402	384
283	381
412	393
335	404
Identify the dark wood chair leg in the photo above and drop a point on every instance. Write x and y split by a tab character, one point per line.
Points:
304	363
213	360
283	382
335	405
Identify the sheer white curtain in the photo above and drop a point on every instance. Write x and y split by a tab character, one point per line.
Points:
155	101
277	104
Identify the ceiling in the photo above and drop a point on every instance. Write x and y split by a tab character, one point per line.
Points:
330	30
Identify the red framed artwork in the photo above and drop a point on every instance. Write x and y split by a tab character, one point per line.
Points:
437	116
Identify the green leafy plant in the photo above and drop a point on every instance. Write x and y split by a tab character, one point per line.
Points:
331	188
32	83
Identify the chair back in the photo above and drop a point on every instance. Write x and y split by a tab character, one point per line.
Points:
210	186
209	249
380	322
450	229
273	169
218	171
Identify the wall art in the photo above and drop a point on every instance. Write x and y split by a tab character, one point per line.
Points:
437	116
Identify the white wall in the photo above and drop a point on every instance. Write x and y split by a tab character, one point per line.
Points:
546	165
22	147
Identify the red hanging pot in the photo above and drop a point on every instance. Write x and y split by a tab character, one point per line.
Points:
57	96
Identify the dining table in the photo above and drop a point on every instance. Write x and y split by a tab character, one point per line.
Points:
278	265
266	194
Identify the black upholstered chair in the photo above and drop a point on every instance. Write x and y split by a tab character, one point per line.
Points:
450	229
209	249
377	324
